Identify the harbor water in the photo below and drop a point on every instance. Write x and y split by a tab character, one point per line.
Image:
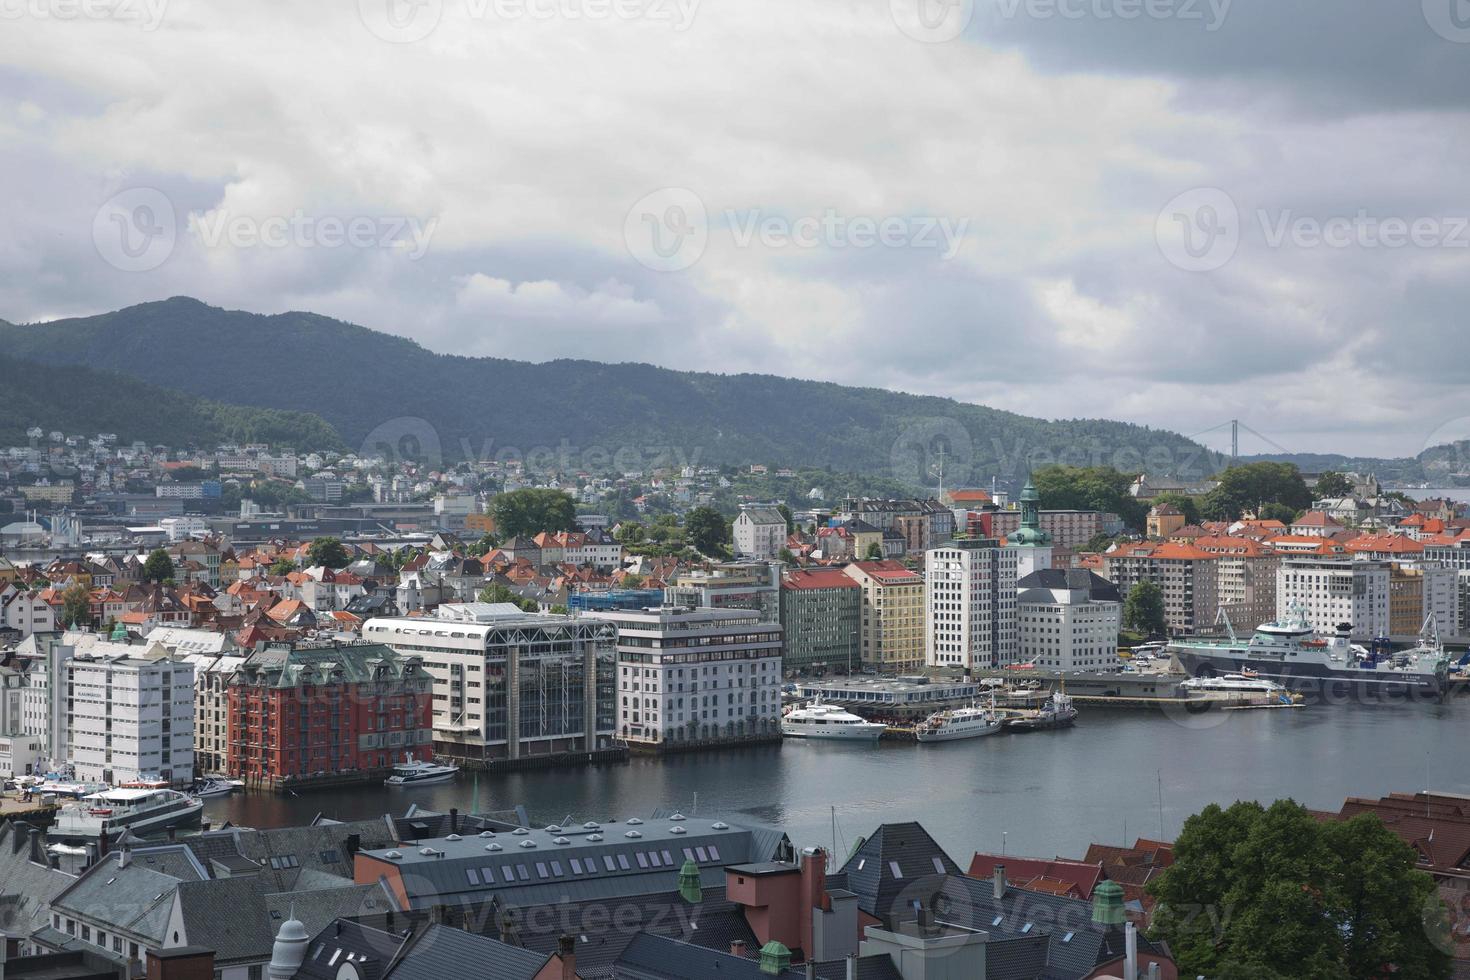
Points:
1116	775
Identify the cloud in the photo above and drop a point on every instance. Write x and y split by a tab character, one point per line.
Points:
1047	145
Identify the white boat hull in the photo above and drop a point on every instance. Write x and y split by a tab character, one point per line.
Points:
89	827
954	733
836	733
420	780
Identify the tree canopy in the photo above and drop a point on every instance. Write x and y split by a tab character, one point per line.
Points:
327	551
499	592
707	530
1089	488
76	605
1266	892
1143	610
159	567
1332	484
1250	485
533	510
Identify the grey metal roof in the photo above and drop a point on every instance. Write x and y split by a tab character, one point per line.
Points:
904	847
134	898
441	953
651	957
26	886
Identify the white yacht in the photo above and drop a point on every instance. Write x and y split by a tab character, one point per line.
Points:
142	811
817	720
970	722
416	772
213	786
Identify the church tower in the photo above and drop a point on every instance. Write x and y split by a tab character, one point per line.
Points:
1032	543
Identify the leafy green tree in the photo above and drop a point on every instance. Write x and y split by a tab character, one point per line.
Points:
1251	485
1188	506
1143	610
533	510
1332	484
488	542
786	555
327	551
786	515
498	592
874	552
1089	488
76	605
1284	513
1271	892
629	532
707	530
159	567
282	566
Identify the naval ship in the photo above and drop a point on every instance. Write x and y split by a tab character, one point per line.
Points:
1291	653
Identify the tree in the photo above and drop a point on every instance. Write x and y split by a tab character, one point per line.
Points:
1254	891
786	515
1249	486
874	552
282	566
1331	484
1188	506
76	605
533	510
1284	513
159	567
327	551
707	530
498	592
629	532
1089	488
488	542
1143	610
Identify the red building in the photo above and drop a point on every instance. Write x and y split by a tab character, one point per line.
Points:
307	710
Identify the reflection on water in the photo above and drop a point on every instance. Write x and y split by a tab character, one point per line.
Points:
1048	793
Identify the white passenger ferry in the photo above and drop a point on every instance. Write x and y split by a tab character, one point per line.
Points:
142	811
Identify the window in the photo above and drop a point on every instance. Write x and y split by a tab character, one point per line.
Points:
938	865
669	858
576	866
623	862
608	862
521	870
893	867
473	874
714	853
508	873
541	870
642	859
701	854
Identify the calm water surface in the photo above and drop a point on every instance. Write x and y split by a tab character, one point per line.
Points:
1039	793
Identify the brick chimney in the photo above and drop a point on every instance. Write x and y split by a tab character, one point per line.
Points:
813	892
737	948
566	948
181	963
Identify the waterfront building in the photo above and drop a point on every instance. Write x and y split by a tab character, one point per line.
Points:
891	626
695	675
509	684
731	585
129	714
1418	591
1186	575
970	604
759	532
303	710
1069	619
820	614
1330	591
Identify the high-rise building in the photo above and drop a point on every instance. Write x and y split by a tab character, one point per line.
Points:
695	675
1069	619
1330	591
970	604
891	625
130	715
820	614
510	684
1187	577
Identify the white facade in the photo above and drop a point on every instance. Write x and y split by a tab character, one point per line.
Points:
1336	590
970	605
132	715
759	532
1063	627
696	674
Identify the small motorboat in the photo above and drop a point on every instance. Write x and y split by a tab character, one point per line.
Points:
416	772
213	786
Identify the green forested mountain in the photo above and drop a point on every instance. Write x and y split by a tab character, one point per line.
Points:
368	383
84	401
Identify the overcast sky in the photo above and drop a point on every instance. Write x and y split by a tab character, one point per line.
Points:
1171	212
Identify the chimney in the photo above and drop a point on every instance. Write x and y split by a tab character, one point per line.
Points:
454	820
813	896
811	969
852	966
1130	956
737	948
998	882
124	855
102	844
38	856
566	947
1153	970
439	915
352	845
54	860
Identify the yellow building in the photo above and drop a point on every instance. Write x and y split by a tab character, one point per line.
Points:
1164	520
892	623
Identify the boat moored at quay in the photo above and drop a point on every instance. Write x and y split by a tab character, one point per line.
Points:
1324	668
142	811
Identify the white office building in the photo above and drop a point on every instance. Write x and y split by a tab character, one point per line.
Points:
1330	591
132	715
970	605
1069	619
687	675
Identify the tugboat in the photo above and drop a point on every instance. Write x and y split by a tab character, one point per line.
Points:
1057	712
416	772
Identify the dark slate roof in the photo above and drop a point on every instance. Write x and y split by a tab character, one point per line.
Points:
370	949
650	957
906	846
25	885
1098	588
134	898
442	953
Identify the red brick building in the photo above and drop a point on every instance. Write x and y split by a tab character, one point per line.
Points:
307	710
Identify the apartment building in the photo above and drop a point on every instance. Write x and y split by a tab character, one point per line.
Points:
1067	529
820	614
1187	577
1330	591
759	532
731	585
695	675
1245	578
130	714
507	683
1069	619
970	605
891	616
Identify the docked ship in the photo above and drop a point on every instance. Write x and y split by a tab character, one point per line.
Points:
416	772
1289	652
142	811
958	723
1234	684
1057	712
817	720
